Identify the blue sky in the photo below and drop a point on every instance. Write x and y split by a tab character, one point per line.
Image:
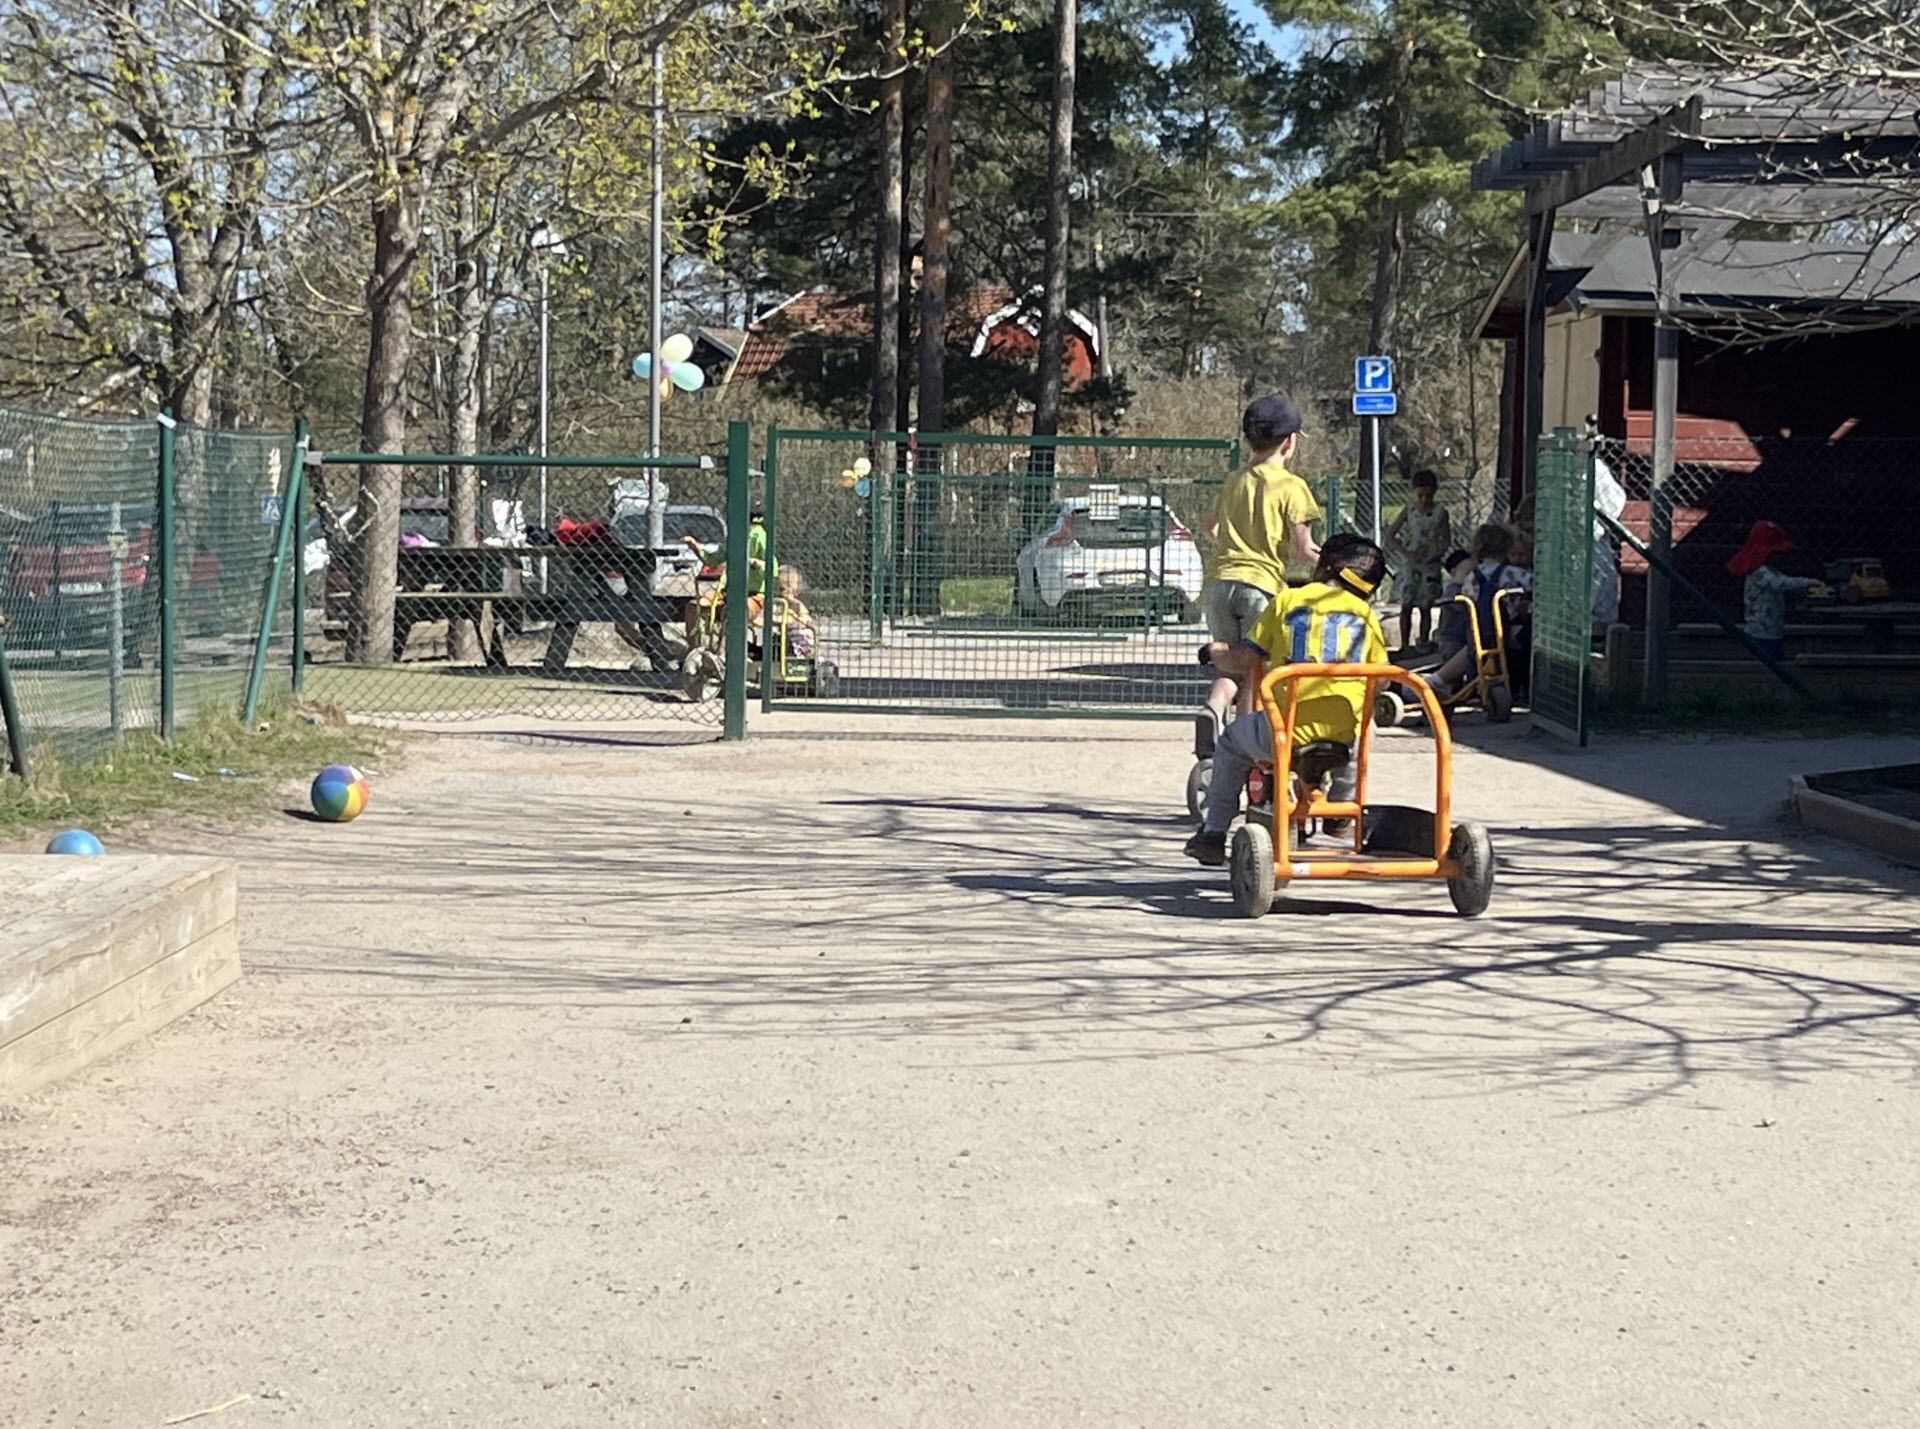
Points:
1255	14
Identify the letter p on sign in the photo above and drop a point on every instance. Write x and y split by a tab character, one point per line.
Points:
1373	374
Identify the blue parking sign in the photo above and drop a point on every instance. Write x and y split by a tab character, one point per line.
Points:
1373	374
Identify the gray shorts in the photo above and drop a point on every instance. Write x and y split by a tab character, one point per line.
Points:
1231	607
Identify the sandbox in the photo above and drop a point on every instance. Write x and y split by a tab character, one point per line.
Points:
1876	808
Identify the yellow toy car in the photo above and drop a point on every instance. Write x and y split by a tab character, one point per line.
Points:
1858	578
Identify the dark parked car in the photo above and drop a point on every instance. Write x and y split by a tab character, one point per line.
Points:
58	575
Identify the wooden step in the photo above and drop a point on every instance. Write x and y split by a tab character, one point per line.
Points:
96	953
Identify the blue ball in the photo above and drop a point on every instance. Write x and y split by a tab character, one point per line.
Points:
76	841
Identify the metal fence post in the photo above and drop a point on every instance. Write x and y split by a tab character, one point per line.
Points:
10	715
300	559
276	564
878	483
772	658
116	619
163	506
734	681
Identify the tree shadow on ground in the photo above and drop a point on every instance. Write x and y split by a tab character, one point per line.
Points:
1049	930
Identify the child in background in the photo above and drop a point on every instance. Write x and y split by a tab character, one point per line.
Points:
1453	632
1330	620
1492	573
1419	534
1767	589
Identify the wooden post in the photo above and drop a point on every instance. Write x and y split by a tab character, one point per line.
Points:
1531	369
1664	239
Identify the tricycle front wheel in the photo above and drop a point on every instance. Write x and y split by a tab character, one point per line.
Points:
1472	887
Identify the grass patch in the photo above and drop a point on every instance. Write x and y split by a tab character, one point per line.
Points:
984	595
136	782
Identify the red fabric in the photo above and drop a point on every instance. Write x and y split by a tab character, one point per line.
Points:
583	533
1765	541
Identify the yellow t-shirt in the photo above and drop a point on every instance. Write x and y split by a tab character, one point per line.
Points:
1322	623
1258	508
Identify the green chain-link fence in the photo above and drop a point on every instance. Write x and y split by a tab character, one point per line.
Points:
1348	502
79	576
1563	592
110	627
970	572
230	489
574	587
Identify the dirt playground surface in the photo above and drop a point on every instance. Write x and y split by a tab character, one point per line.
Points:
902	1072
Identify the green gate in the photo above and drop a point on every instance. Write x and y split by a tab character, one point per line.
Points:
977	573
1563	586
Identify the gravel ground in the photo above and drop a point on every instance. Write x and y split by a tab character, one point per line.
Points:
903	1072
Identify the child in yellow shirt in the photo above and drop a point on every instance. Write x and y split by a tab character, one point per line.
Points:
1328	621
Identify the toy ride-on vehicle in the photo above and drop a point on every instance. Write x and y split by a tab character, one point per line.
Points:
1383	841
796	666
1490	686
1854	579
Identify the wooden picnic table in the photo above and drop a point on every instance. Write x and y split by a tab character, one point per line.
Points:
486	584
1879	618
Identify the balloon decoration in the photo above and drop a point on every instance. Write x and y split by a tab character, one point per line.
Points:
672	366
854	478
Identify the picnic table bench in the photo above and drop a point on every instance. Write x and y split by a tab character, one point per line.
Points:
489	585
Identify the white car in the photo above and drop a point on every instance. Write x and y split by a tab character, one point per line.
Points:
1110	550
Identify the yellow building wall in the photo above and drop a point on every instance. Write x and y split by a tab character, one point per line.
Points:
1572	371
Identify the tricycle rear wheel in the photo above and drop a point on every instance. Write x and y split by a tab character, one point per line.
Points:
1199	780
1250	869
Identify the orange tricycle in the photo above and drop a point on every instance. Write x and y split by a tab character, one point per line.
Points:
1288	802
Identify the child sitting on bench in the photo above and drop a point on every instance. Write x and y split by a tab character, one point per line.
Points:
1328	621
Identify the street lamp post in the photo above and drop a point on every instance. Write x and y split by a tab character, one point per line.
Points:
547	247
656	517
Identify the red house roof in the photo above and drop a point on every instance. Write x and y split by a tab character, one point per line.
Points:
833	319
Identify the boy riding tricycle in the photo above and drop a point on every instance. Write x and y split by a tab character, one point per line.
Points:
1307	750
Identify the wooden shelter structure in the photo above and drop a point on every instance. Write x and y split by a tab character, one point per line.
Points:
1687	158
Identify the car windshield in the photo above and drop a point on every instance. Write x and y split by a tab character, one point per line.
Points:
703	526
1132	526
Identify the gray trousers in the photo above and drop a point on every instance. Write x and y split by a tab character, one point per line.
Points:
1247	741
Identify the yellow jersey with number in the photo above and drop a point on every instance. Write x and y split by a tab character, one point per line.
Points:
1322	624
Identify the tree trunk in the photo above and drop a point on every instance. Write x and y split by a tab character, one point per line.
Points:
463	428
383	422
1053	316
935	225
903	378
1390	242
887	223
932	365
1390	245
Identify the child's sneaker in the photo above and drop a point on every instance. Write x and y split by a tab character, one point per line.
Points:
1207	849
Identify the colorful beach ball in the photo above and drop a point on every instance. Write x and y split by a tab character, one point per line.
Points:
339	793
75	841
